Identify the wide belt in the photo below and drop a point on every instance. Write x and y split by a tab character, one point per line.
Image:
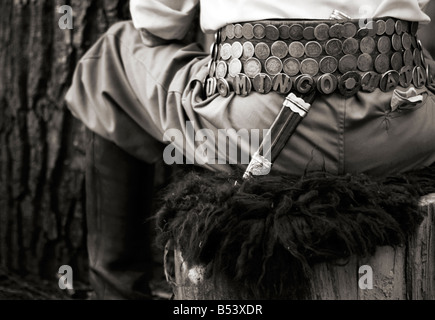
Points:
330	56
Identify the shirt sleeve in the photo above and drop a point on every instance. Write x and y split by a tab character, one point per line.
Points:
165	19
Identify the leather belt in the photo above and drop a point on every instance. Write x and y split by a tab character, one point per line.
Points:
329	56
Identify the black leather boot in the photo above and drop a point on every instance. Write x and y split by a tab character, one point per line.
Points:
119	191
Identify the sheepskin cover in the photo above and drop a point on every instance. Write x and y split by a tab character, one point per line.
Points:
266	233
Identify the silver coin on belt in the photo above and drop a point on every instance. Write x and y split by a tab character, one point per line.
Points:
330	56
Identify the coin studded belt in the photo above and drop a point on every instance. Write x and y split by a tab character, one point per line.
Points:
329	55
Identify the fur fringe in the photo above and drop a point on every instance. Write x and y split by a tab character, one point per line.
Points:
266	233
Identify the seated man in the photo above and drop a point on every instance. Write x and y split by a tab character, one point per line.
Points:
362	73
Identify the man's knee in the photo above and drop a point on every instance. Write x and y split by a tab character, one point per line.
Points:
120	28
126	31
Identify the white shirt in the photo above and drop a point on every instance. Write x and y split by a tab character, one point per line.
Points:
171	19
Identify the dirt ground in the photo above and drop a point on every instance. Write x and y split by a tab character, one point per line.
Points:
16	287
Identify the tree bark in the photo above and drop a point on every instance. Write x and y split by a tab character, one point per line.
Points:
42	202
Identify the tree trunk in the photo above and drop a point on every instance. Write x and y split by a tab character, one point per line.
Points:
42	216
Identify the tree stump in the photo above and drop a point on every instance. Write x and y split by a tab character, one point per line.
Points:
401	273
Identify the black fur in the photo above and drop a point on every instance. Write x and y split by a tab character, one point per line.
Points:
266	233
